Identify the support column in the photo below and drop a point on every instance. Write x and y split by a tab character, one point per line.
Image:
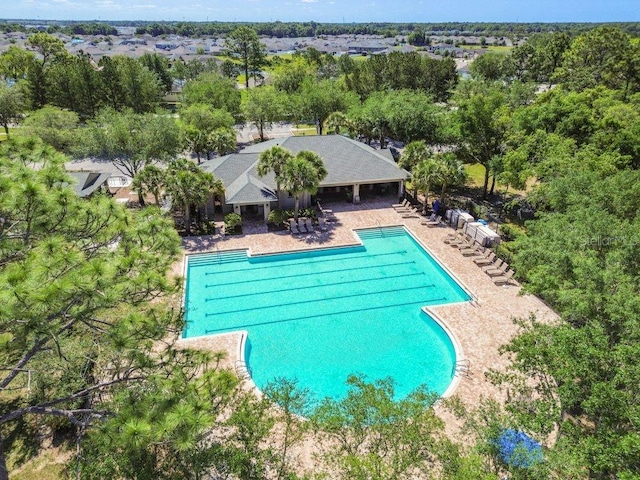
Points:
356	193
267	209
401	189
236	209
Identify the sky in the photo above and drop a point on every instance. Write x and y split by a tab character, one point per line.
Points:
333	11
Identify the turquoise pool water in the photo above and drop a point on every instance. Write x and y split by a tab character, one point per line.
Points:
321	315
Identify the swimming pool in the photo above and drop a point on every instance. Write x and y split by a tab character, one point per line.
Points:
321	315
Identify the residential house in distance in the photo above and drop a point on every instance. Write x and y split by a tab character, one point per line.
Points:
355	170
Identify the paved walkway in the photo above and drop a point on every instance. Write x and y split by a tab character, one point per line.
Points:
480	326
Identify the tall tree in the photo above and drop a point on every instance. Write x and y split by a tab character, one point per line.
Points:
54	126
149	180
320	99
76	278
452	173
303	174
76	85
198	122
131	140
223	140
129	84
15	63
581	257
12	106
414	153
602	56
423	176
214	90
263	106
372	434
481	118
189	185
49	50
160	66
273	160
244	44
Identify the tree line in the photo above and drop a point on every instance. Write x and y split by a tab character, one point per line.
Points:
311	29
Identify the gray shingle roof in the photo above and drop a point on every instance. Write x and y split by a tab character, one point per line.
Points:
88	182
347	161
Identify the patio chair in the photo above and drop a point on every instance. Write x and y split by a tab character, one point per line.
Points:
434	221
463	241
322	224
301	226
454	238
496	264
472	251
309	224
486	260
405	203
497	272
504	279
293	227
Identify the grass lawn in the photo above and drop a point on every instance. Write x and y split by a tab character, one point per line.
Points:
49	464
302	129
475	175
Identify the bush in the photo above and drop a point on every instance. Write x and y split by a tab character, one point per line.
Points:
510	232
232	221
278	217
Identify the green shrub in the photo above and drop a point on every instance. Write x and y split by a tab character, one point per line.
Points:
232	220
279	217
510	232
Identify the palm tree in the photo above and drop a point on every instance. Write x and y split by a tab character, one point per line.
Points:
273	160
452	172
424	174
189	185
336	121
303	174
222	140
413	154
149	180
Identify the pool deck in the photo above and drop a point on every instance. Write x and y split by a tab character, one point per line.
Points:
479	327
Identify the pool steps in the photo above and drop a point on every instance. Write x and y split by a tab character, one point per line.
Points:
381	232
226	256
463	368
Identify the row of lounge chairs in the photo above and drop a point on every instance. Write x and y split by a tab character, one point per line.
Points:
493	266
407	210
305	225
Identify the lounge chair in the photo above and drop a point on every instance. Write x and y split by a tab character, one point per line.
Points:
463	241
503	279
322	224
486	260
472	251
434	221
454	238
293	227
497	272
405	203
498	262
309	224
301	226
